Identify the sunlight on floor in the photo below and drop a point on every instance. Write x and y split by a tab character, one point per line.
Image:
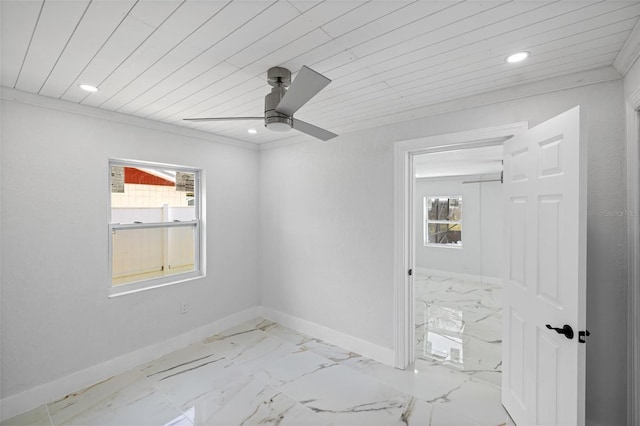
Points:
459	325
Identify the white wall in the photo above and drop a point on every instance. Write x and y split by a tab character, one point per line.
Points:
56	317
326	226
481	250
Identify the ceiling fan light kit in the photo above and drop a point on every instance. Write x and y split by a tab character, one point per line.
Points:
281	103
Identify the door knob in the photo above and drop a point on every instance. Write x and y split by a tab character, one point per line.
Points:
566	330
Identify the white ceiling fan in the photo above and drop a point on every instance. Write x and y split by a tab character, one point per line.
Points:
282	103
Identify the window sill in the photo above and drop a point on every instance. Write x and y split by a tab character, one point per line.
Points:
136	287
449	246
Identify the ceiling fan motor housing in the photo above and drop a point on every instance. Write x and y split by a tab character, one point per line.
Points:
278	76
274	120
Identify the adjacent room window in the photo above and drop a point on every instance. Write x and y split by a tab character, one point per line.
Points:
155	229
443	221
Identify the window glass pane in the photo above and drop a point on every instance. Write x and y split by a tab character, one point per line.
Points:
443	209
432	233
449	209
147	194
432	205
141	254
441	233
454	234
455	209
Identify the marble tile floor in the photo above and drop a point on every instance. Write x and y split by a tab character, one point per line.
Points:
459	325
263	373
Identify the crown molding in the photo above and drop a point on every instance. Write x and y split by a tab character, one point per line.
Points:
630	51
19	96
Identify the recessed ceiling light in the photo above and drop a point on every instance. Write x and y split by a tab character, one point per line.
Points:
517	57
252	131
88	88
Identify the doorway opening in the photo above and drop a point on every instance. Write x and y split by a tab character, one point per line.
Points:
457	284
405	221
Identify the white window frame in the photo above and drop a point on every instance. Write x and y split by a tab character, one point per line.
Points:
199	265
427	221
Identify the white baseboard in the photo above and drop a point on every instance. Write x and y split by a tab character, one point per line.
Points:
456	275
363	347
51	391
48	392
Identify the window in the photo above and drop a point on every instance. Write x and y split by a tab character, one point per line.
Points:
155	229
443	221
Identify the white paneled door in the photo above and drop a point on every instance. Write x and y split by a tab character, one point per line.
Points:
545	273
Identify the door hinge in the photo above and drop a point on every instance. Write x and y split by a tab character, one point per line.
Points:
582	335
410	271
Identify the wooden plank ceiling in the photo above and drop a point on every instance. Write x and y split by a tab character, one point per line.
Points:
170	59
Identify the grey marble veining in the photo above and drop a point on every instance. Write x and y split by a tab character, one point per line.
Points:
459	324
263	373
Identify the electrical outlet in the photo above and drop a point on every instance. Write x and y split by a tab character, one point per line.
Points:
184	307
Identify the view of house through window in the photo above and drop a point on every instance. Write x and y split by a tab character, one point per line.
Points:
155	224
443	220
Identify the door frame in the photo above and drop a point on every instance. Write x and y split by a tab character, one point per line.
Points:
404	233
633	245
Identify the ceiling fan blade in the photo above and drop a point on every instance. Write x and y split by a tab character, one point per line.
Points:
305	86
224	119
312	130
